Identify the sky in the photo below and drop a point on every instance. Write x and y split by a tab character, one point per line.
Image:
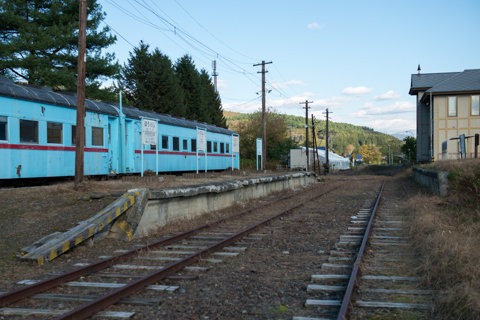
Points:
353	57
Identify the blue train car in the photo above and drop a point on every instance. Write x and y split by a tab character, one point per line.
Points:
37	138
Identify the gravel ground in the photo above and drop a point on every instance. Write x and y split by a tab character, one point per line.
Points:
268	281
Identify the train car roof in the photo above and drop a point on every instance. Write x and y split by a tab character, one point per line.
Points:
46	95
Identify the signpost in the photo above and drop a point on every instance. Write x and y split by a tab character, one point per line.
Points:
259	152
202	144
235	149
149	137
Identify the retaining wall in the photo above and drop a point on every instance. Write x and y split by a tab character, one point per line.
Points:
174	204
437	181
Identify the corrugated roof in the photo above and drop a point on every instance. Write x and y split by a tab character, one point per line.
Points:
45	95
466	81
428	80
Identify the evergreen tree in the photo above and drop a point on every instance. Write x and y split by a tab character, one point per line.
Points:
150	83
39	45
189	79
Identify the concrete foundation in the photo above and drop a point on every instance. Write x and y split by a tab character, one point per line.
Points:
168	205
437	181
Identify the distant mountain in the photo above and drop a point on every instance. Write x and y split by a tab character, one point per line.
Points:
403	134
341	134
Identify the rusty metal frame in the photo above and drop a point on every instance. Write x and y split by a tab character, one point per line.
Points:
347	298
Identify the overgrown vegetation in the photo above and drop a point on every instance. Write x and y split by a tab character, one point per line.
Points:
447	234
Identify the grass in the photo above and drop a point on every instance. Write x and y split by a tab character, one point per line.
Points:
446	232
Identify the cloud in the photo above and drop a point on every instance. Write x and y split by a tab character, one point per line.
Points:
371	111
221	84
392	125
281	85
356	91
314	25
389	95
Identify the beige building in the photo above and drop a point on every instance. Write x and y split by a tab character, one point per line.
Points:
455	99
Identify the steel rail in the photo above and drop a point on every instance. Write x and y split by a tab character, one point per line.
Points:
25	292
100	304
347	298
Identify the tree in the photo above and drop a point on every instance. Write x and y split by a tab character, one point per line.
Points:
39	43
189	79
409	148
210	101
370	154
149	82
349	149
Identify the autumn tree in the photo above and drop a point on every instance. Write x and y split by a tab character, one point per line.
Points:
39	45
349	149
370	154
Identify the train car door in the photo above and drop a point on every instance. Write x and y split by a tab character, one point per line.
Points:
129	147
113	156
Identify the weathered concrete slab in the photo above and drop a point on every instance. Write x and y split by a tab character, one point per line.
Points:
437	181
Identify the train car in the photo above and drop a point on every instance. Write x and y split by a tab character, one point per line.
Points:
37	138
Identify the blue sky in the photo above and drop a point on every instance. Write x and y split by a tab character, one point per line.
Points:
354	57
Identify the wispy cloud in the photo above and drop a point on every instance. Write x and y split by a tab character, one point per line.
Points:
314	25
392	125
389	95
371	111
356	91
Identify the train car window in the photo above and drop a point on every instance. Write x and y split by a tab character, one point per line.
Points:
3	129
222	147
194	145
54	132
29	131
176	144
153	147
215	149
185	144
97	136
164	142
227	147
209	146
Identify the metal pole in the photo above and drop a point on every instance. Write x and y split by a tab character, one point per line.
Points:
264	119
141	148
206	154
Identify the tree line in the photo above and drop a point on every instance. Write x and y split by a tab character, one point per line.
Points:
38	46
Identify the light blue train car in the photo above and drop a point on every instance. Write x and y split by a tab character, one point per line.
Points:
37	138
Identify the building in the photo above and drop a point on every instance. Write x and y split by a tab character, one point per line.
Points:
447	107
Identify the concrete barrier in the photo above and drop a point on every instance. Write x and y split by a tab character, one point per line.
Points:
168	205
437	181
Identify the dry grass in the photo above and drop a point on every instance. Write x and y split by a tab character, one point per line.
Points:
447	235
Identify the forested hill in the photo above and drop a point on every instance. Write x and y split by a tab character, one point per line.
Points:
341	134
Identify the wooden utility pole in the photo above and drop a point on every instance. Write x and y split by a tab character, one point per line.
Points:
327	163
80	127
264	119
306	130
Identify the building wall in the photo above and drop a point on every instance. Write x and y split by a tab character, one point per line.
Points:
423	130
447	127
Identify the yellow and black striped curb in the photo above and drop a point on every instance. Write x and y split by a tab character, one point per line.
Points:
58	244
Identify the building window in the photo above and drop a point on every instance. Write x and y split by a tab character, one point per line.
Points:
97	136
209	146
176	144
164	142
54	132
215	149
452	106
194	145
222	147
28	131
3	128
185	144
475	106
227	147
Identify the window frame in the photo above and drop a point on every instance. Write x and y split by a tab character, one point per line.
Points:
209	146
97	129
215	146
49	123
36	135
185	144
478	105
193	145
5	127
227	148
222	147
449	114
175	144
164	142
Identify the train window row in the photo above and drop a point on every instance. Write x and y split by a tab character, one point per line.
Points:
218	147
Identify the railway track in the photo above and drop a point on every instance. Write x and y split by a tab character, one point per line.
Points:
370	273
103	289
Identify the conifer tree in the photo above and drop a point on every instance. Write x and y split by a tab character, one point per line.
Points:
189	79
150	83
211	102
38	45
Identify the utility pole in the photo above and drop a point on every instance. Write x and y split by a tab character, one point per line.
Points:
214	66
80	127
306	130
327	163
264	119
